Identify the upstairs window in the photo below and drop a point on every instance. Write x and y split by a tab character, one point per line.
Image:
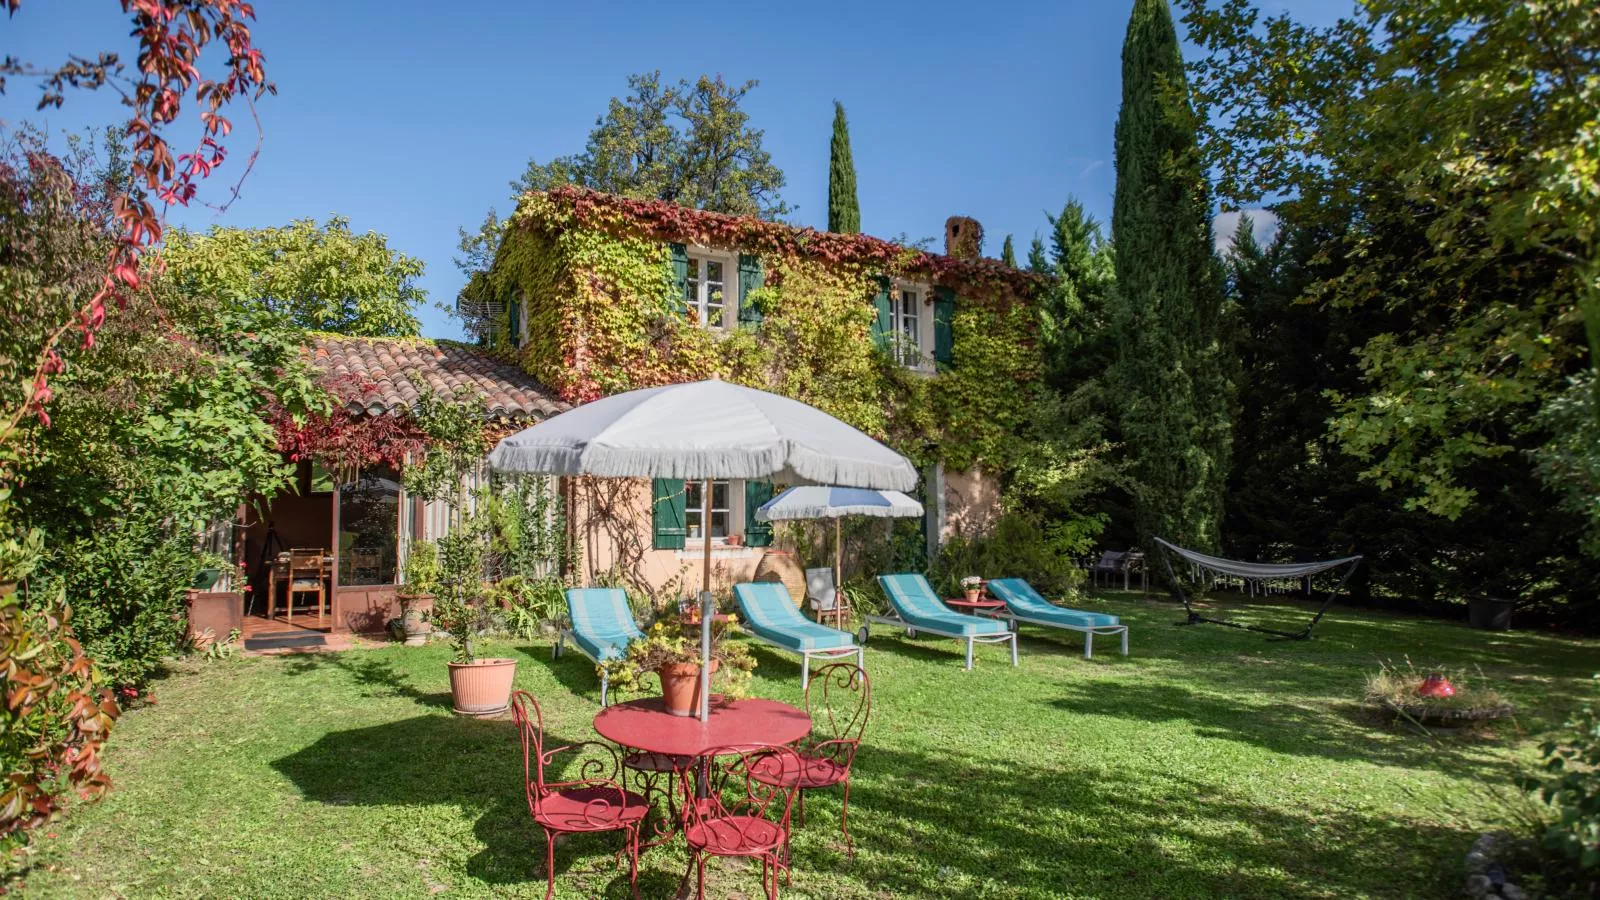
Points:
907	326
705	290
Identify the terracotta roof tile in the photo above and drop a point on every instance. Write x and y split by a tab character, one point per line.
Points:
379	368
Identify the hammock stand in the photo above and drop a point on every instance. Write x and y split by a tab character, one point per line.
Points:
1254	572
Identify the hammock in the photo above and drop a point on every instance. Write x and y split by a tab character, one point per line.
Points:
1252	575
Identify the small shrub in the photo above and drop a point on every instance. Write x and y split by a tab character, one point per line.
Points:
126	582
56	717
1017	548
1571	788
1395	687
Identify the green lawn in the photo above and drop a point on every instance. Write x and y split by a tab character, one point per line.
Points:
1210	763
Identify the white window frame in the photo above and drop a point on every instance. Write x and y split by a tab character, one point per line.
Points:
698	257
736	522
919	357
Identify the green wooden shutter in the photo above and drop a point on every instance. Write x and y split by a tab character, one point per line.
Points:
883	326
944	309
680	275
667	513
514	320
750	278
756	534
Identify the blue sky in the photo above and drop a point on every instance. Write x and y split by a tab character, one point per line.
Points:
411	118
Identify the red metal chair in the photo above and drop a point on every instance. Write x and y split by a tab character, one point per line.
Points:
726	812
823	759
594	801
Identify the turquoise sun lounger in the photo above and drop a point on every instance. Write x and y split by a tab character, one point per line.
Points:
917	608
771	616
1024	604
602	627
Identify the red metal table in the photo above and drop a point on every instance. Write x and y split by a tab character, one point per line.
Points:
646	725
962	604
666	739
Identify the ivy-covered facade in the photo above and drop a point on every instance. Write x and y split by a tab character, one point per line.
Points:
595	294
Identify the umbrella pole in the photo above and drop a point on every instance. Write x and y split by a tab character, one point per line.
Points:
706	607
838	567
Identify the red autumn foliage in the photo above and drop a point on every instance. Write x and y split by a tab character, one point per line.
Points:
347	439
663	220
173	36
57	716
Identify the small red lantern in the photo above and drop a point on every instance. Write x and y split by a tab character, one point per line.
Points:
1436	685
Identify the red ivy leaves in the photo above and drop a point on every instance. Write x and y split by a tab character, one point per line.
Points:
665	221
346	439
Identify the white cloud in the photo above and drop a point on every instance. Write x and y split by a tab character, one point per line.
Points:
1264	224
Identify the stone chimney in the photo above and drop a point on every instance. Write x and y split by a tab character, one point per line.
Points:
963	237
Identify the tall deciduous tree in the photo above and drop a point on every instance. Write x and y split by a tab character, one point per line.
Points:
320	277
690	143
844	210
1169	378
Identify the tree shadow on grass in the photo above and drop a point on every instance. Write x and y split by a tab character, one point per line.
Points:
471	764
374	677
956	824
925	824
1301	728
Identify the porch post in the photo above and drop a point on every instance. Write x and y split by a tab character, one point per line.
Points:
333	577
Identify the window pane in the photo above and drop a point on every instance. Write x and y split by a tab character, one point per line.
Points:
714	307
369	517
719	524
719	495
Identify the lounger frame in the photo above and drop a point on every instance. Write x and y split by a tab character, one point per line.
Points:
1089	631
911	631
559	646
858	651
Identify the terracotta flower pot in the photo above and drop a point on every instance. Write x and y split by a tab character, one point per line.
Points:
482	687
414	618
680	687
972	594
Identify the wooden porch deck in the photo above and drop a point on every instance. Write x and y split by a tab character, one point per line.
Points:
261	636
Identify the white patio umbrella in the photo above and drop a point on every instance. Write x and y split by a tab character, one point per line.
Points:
818	501
704	430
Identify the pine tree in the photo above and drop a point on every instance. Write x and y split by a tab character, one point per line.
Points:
1170	378
844	211
1037	261
1008	253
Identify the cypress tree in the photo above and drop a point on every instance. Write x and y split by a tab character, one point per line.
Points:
1008	253
1170	379
844	211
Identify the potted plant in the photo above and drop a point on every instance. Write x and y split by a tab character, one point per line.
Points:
480	687
972	585
416	594
670	650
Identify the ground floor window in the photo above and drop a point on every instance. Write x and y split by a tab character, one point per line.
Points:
694	512
369	521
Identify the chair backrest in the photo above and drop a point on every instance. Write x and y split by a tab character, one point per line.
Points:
732	793
1017	590
839	699
305	561
530	725
1110	559
600	611
596	773
767	603
911	591
820	587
